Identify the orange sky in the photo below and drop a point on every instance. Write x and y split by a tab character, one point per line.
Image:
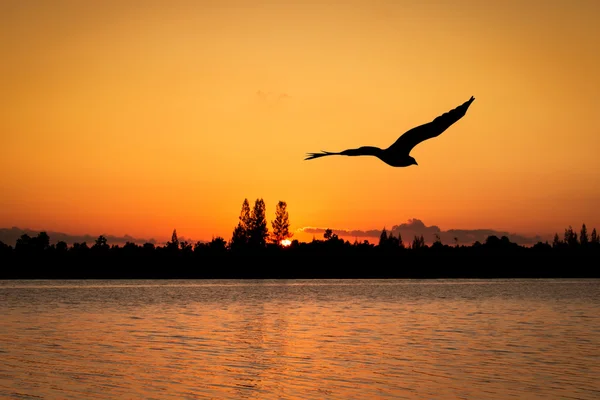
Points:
131	117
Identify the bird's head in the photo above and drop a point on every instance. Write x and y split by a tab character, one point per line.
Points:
413	161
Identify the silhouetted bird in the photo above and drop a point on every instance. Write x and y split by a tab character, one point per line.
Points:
397	155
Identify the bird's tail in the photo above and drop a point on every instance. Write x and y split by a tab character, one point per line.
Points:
310	156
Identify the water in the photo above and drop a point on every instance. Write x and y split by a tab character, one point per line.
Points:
369	339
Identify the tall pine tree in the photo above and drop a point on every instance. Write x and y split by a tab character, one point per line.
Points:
241	232
281	224
258	233
583	236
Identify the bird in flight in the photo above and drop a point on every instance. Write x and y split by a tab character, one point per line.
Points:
397	155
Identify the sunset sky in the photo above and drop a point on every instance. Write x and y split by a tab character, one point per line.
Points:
138	117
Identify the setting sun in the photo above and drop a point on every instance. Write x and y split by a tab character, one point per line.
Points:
286	242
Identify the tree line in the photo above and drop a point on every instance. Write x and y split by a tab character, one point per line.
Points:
254	251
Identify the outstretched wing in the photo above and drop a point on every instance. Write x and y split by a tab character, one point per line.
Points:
413	137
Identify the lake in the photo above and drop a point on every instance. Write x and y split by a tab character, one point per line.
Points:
300	339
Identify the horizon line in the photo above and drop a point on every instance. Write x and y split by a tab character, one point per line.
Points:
414	226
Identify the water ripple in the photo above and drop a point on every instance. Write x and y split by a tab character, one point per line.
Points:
300	339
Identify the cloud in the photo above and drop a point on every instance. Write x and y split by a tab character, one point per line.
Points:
10	235
415	227
262	95
272	98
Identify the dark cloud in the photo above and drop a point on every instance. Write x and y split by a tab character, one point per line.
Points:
10	235
416	227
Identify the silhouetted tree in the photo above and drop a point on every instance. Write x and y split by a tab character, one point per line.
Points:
501	258
437	243
62	247
392	241
185	246
506	244
33	245
148	247
556	243
383	238
418	242
571	237
101	244
281	224
22	244
129	247
330	236
5	250
388	240
400	242
41	242
173	245
239	238
257	236
80	248
583	236
492	241
542	247
198	246
499	244
217	245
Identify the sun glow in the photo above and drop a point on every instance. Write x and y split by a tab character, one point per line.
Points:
286	242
